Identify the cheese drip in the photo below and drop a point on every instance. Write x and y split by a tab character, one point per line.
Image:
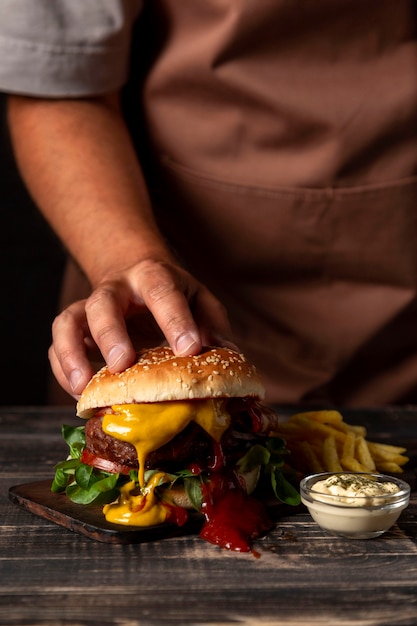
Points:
148	427
143	509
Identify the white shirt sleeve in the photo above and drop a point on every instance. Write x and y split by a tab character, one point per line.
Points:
59	48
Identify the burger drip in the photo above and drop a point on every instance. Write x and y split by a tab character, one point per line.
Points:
232	517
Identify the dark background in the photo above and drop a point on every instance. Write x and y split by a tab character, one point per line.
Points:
31	266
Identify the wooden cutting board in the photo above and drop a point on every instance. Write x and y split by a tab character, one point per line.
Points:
89	520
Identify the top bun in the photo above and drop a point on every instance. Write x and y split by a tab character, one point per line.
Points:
158	376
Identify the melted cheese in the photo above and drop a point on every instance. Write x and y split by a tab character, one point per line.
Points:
212	417
148	427
143	509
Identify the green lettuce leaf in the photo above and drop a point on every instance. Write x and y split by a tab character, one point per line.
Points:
270	459
193	489
257	456
275	469
99	489
74	436
82	483
283	489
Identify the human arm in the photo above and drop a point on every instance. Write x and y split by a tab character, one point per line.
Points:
79	164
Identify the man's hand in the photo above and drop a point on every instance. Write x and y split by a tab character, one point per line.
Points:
138	307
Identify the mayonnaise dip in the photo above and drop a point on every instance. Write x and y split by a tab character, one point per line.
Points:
353	505
349	487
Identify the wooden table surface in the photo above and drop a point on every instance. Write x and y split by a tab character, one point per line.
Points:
51	576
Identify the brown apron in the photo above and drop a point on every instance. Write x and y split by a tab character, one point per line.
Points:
283	136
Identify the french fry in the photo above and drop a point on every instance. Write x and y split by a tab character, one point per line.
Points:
341	427
385	450
332	419
349	446
389	466
311	459
330	455
318	428
358	430
321	441
399	459
327	417
353	465
363	454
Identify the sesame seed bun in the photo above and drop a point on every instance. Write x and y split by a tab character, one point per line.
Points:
158	376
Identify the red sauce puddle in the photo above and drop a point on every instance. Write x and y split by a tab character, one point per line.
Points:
233	518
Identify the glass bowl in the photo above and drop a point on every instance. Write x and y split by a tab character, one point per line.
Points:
354	505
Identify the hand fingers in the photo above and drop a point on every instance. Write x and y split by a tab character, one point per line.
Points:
212	320
105	312
185	312
166	300
102	319
67	355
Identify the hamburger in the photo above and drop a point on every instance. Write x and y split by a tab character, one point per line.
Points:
171	434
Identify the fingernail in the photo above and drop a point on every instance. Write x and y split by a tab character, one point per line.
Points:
185	345
74	379
115	355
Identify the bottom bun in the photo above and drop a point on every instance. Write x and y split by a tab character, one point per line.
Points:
179	497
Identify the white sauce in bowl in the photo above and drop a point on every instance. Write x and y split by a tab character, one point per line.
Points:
358	506
349	487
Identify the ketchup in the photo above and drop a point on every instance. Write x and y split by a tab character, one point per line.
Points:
176	514
232	517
